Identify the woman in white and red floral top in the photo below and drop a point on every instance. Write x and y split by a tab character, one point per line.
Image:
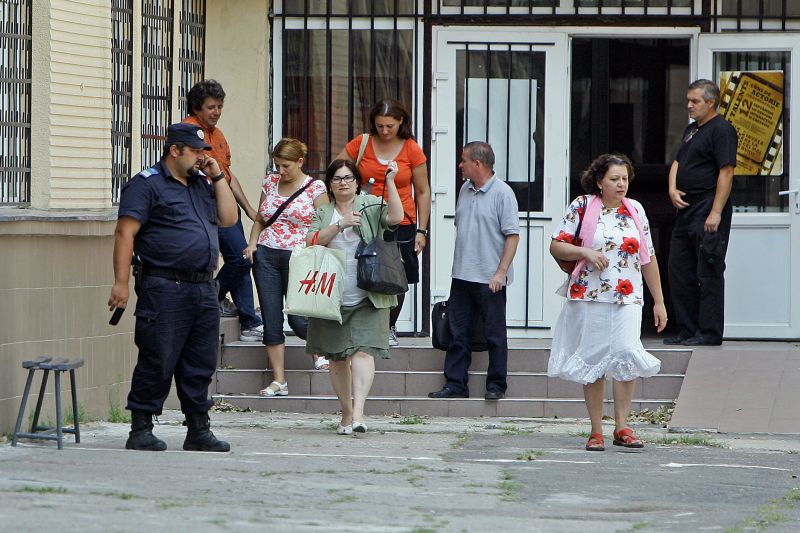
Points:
271	247
598	334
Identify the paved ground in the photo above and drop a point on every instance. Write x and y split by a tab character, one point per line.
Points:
292	473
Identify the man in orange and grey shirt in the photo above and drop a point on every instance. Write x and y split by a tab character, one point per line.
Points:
206	100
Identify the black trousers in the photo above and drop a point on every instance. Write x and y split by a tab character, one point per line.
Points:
697	268
468	301
177	333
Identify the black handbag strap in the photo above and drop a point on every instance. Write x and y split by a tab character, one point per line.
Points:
280	209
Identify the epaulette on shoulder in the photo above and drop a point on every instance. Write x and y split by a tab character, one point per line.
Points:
146	173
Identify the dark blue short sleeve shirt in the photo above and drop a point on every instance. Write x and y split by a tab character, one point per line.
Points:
179	222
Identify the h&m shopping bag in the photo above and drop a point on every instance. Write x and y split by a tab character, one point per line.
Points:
316	283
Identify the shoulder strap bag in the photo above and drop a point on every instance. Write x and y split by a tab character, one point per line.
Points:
280	209
362	148
380	265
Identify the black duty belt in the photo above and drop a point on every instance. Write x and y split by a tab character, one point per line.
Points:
177	275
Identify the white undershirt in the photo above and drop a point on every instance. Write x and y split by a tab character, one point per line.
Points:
347	241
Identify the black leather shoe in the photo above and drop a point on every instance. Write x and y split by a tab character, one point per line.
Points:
447	393
494	395
674	340
700	341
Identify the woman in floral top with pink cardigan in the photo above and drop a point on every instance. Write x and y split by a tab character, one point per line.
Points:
271	247
597	335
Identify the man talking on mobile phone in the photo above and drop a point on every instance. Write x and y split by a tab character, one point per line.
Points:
168	221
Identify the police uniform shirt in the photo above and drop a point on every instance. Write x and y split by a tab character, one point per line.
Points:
179	223
704	150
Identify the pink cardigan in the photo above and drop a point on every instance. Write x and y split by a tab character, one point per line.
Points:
589	227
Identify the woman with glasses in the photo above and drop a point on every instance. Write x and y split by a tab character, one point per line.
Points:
282	225
390	139
363	334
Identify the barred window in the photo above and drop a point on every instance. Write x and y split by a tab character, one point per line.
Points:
121	94
157	21
193	45
334	69
15	102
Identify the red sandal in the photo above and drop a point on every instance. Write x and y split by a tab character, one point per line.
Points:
595	443
625	437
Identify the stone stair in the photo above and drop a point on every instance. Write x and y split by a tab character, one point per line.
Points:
402	383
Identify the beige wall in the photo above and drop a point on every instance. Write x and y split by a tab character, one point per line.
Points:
239	60
56	280
71	105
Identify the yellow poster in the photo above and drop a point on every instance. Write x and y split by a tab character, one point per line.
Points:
753	102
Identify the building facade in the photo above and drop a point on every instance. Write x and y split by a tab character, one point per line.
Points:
87	88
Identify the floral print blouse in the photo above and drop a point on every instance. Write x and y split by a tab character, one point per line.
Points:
290	228
618	238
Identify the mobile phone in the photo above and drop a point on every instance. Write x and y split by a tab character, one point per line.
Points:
116	315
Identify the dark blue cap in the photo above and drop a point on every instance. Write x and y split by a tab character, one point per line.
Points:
187	134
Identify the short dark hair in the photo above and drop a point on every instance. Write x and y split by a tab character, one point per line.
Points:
597	170
389	107
336	165
202	90
481	151
165	151
710	90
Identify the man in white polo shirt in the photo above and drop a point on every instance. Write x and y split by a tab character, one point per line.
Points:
487	235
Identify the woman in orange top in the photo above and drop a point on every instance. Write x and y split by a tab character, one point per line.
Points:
390	139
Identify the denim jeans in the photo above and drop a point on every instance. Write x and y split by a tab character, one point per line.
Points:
271	272
234	276
470	301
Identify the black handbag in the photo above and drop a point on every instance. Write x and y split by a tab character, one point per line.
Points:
440	331
380	267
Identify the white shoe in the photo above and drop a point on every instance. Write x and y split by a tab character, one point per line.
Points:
359	427
344	430
393	336
255	334
279	389
321	363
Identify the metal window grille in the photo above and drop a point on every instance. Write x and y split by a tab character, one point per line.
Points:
337	59
121	94
193	43
710	15
15	102
157	21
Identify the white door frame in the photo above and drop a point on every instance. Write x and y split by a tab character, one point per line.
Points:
545	275
771	310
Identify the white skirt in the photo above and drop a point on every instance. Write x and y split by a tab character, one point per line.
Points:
598	339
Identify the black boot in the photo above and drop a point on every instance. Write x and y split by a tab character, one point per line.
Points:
199	438
141	436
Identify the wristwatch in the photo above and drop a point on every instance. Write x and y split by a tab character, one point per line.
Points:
423	231
218	177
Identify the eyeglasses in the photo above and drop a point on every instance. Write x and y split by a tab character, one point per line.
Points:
346	179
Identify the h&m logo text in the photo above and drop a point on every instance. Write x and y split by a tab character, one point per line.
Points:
324	287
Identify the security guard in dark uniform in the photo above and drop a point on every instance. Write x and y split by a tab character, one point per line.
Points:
700	182
168	221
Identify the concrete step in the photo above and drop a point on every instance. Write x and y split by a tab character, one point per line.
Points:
249	355
419	383
423	406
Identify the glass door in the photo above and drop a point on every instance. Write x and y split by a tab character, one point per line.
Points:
759	81
504	87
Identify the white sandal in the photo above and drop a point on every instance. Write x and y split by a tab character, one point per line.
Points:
280	389
320	362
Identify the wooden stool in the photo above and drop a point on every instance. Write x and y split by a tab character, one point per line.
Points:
43	432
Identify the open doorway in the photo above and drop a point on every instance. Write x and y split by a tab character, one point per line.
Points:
629	96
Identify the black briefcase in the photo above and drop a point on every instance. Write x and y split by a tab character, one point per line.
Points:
440	330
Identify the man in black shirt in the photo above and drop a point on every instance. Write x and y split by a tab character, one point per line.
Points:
700	181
